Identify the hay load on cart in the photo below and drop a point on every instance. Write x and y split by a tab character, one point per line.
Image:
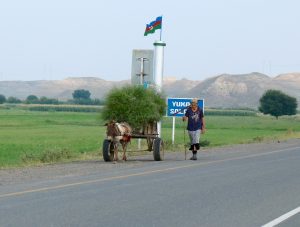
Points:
140	108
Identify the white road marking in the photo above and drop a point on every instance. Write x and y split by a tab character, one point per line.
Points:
282	218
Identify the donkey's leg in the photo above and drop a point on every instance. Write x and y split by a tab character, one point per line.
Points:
124	146
116	152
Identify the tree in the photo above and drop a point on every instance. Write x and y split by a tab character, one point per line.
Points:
12	99
2	99
277	103
81	94
135	105
32	99
45	100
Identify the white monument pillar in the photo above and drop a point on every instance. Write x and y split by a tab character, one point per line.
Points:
158	71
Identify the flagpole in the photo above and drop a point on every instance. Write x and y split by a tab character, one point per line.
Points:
160	34
160	29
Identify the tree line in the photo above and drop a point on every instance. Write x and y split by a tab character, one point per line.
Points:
273	102
80	97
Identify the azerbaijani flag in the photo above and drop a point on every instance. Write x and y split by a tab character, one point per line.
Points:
154	25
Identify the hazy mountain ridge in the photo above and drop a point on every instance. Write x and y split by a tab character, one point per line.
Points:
60	89
225	90
244	90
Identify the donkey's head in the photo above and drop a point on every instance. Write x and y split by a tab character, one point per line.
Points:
112	129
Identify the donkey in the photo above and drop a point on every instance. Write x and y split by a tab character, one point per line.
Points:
119	133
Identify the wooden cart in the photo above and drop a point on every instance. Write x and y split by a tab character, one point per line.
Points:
149	133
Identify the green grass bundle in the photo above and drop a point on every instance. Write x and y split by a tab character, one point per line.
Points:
135	105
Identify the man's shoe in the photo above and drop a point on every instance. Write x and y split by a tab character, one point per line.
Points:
194	157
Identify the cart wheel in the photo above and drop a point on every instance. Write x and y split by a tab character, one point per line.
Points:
108	150
158	151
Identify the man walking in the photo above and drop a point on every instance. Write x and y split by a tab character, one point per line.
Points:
195	126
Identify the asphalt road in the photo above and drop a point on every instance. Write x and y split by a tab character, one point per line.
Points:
245	185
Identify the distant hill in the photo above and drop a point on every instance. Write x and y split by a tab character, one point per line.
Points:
243	90
178	88
60	89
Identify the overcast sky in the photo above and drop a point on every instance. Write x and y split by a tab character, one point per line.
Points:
56	39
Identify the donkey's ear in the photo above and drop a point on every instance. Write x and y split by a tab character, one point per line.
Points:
106	124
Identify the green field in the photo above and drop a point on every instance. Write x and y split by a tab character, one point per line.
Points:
33	137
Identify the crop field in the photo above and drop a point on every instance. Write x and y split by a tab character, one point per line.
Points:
35	137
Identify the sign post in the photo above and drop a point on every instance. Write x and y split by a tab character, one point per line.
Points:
142	67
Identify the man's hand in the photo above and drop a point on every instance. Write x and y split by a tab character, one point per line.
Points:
184	118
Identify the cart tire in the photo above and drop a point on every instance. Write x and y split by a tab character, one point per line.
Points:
108	150
158	151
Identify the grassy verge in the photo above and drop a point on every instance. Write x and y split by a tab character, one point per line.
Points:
30	137
226	130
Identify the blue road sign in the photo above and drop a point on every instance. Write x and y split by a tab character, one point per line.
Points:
177	106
